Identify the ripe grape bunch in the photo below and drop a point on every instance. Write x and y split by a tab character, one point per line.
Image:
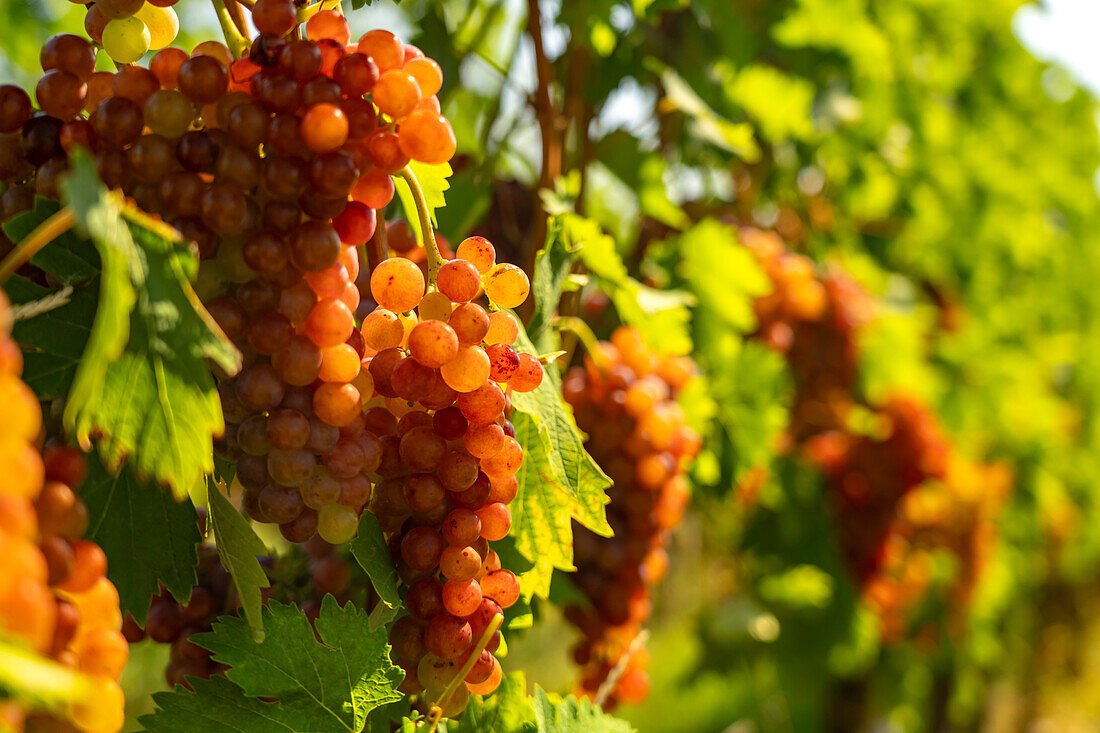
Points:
625	399
815	321
449	456
273	166
54	597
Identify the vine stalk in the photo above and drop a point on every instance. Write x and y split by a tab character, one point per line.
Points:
237	16
43	234
234	39
435	260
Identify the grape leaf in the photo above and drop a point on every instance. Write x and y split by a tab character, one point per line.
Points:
750	389
69	257
155	401
552	265
704	122
779	103
53	339
238	548
571	715
723	275
662	316
558	481
508	710
329	685
324	686
121	510
370	551
216	706
92	331
433	182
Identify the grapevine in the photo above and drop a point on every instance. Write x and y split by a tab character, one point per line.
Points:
395	366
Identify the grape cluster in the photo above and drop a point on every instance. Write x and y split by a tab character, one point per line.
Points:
870	475
441	367
625	399
899	491
54	595
957	514
815	321
272	166
303	578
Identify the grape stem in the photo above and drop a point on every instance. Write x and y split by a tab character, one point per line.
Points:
620	667
43	234
583	331
311	10
233	7
234	39
436	711
376	248
247	3
435	260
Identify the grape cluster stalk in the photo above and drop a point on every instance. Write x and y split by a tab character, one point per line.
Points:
624	397
54	596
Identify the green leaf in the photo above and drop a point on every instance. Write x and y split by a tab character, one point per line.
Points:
570	715
433	182
54	338
238	548
552	265
707	124
216	706
780	104
98	213
121	512
662	316
370	551
155	401
722	274
508	710
558	481
70	257
468	200
328	685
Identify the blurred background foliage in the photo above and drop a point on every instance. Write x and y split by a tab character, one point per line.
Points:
916	144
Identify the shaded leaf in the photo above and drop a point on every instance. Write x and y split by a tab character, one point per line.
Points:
53	340
238	547
370	551
121	512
